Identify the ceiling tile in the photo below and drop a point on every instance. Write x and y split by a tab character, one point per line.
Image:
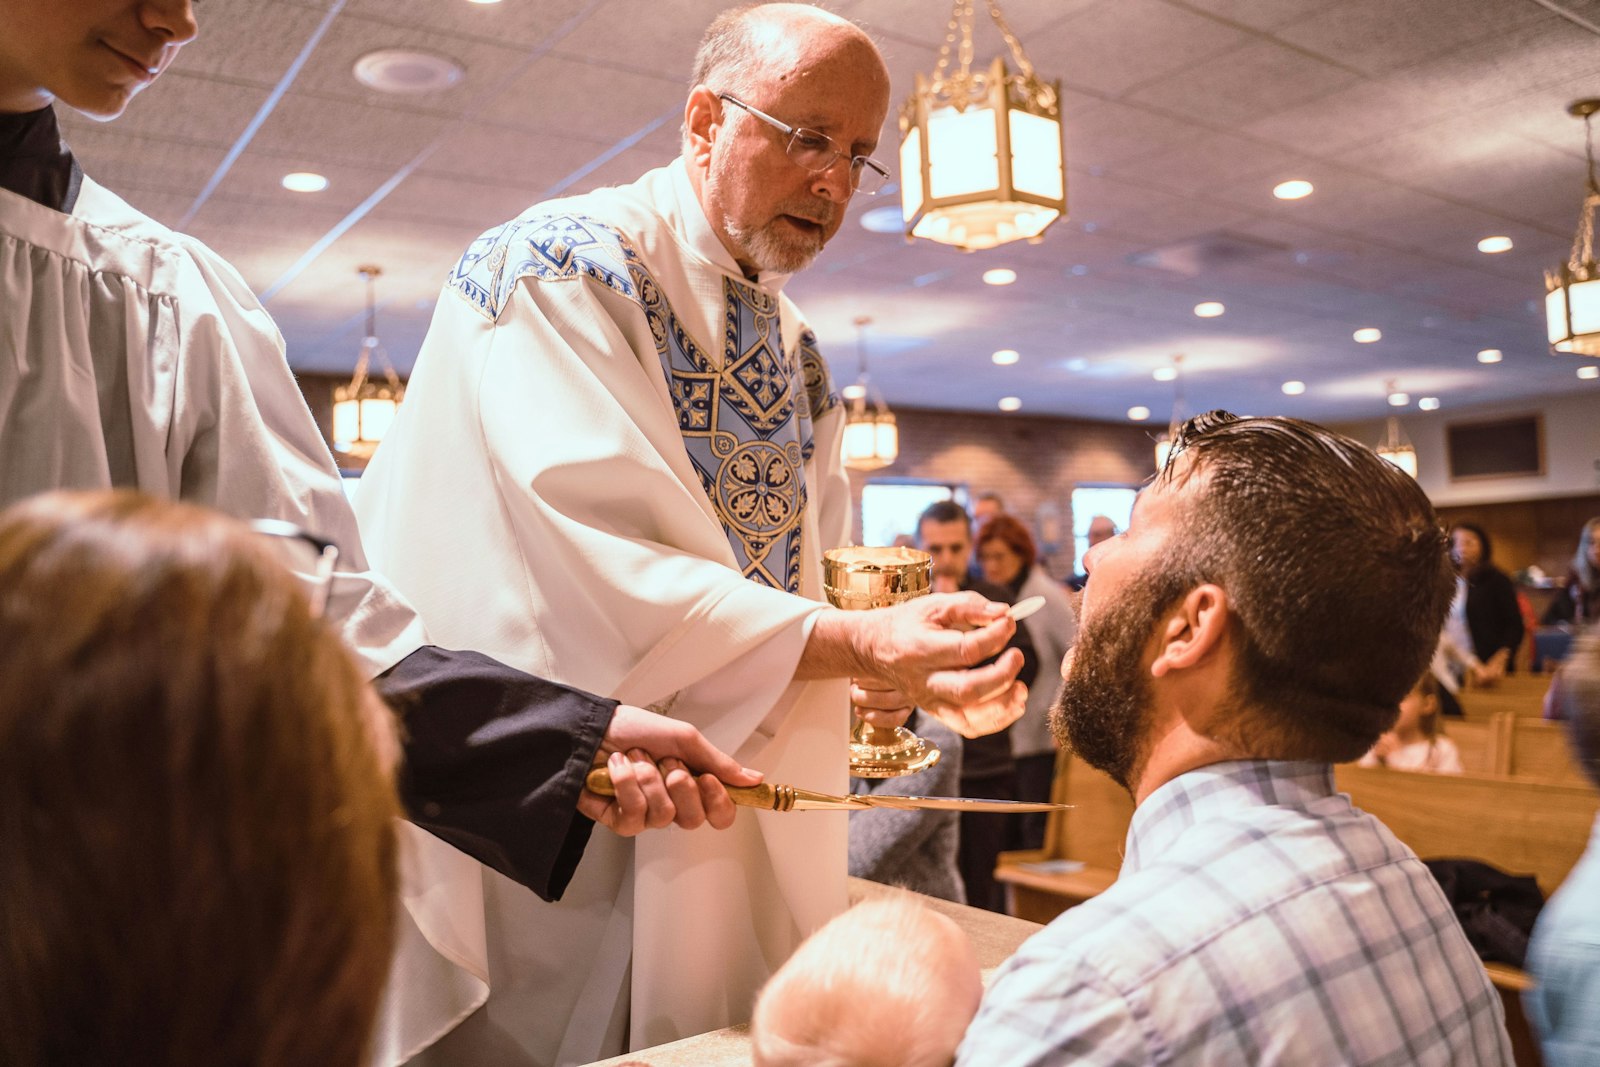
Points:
1380	36
1250	82
1110	48
247	40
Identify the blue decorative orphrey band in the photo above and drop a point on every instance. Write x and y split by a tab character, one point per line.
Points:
745	419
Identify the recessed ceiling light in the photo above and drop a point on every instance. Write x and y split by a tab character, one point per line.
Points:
1210	309
999	276
1490	355
1295	189
303	181
885	219
1010	403
853	392
1293	388
1429	403
1399	400
1491	245
405	70
1005	357
1367	334
1165	374
484	1
1139	413
1589	373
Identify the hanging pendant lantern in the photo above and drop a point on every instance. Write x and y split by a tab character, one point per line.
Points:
364	409
1165	442
871	438
1572	290
982	157
1395	446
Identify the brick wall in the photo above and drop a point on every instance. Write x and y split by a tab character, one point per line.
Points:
1033	462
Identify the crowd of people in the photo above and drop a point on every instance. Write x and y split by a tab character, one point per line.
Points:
269	814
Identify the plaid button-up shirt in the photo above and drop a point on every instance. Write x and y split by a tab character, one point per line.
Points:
1259	918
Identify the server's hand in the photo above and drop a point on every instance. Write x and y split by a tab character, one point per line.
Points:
665	773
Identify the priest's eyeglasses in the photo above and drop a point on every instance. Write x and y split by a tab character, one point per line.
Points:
309	558
816	151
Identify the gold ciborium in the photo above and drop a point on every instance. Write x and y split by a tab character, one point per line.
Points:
860	578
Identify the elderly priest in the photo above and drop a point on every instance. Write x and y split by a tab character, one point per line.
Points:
618	465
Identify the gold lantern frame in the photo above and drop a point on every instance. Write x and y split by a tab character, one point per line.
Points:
1025	198
364	409
871	436
1572	290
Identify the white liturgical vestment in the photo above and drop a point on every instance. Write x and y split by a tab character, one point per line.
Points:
617	467
134	357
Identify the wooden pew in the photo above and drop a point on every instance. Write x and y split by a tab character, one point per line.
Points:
1538	749
1478	742
1090	834
1522	826
1520	694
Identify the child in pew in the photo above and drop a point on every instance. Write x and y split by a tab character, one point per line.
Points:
825	1009
1417	741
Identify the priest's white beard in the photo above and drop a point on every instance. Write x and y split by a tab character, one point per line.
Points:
771	251
774	245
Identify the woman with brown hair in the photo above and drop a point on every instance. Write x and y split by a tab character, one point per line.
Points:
1008	558
197	807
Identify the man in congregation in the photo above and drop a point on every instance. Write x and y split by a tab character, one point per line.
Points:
618	464
1101	528
1278	590
944	531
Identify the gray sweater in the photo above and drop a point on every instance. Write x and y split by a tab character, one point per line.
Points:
914	849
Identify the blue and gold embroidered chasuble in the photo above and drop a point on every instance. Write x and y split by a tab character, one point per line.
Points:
745	418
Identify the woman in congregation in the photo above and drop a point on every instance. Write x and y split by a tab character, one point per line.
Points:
199	844
1579	599
1484	616
1007	555
1417	741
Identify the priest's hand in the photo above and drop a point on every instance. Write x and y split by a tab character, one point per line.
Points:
665	773
879	703
925	653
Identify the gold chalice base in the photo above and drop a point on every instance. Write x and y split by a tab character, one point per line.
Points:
879	753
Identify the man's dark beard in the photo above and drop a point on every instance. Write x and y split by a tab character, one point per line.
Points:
1104	704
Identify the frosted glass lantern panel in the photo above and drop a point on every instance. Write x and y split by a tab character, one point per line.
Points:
376	417
1036	156
860	441
346	422
963	152
911	174
888	440
1585	297
1555	314
1404	458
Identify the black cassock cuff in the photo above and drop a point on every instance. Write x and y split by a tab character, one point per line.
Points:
495	760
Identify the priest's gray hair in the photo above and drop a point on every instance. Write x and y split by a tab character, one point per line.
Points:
742	45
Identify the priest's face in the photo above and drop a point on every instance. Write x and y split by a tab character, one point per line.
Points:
92	55
772	213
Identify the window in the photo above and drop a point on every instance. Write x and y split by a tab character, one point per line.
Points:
1115	502
891	508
